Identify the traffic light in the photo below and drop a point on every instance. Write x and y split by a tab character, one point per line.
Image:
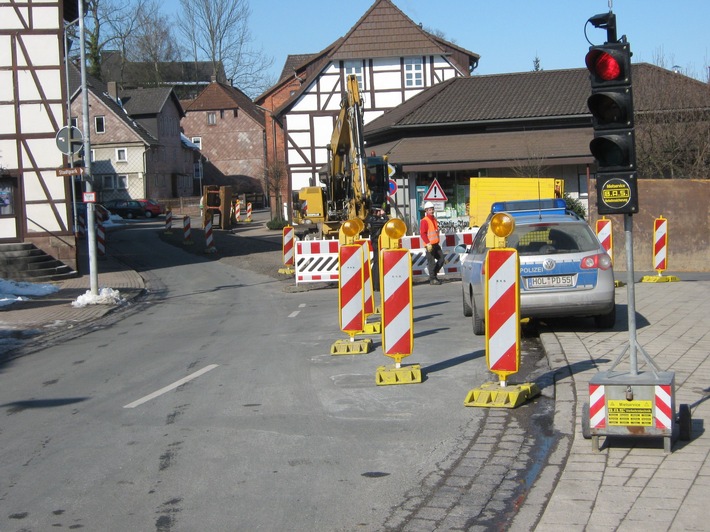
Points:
614	144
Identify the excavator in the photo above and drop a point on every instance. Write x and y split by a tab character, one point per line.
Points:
355	186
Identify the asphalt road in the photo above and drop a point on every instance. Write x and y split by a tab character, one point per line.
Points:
215	404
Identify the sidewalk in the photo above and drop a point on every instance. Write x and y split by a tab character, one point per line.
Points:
631	484
54	313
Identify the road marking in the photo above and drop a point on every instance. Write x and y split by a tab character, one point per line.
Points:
296	312
171	386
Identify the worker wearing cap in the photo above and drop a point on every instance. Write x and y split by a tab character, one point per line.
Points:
429	232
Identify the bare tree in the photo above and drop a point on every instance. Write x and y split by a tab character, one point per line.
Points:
672	133
152	42
218	31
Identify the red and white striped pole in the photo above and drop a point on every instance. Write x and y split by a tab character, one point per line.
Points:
82	226
597	406
502	312
248	212
237	211
186	236
397	305
351	299
660	244
168	222
605	236
288	250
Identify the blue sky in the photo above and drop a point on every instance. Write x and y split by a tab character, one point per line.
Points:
508	34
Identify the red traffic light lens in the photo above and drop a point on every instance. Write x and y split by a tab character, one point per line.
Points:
603	65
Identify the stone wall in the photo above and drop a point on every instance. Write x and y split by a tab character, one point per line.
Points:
684	202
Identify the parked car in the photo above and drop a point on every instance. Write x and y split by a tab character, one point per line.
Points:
99	209
125	208
151	207
564	270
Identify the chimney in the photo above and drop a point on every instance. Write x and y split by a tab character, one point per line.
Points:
213	78
112	90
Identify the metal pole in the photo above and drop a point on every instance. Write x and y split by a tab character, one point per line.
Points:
90	214
630	294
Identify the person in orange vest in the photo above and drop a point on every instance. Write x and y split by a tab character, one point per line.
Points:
429	232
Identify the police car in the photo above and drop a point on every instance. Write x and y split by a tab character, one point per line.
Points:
564	270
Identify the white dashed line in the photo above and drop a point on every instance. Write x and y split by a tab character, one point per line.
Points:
171	386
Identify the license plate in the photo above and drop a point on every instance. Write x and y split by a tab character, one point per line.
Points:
551	281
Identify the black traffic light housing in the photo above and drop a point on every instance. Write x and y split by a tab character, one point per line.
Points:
614	144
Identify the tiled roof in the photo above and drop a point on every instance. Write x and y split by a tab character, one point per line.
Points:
522	97
293	62
220	96
141	102
99	89
136	73
385	31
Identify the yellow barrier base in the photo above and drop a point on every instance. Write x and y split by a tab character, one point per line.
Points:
349	347
387	375
373	327
659	279
619	284
288	270
492	394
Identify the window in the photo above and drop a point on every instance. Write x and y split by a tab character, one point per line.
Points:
121	155
354	67
99	124
211	118
73	122
197	141
198	171
413	72
92	155
221	114
7	203
114	181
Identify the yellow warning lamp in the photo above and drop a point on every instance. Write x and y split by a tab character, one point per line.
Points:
393	230
350	229
502	226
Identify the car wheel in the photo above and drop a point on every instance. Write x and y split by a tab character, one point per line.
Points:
129	215
606	321
479	326
148	214
467	310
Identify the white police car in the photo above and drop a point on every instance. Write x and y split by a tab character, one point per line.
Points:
564	270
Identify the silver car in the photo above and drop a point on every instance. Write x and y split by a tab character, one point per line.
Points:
564	270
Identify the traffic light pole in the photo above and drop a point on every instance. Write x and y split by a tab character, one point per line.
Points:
90	212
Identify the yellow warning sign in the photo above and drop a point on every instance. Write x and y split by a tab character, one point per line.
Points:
630	413
616	193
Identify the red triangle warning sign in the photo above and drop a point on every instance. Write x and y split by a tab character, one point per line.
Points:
435	192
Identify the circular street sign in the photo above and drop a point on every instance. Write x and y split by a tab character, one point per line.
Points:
615	193
69	140
392	187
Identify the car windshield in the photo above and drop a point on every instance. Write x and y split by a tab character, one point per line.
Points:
548	238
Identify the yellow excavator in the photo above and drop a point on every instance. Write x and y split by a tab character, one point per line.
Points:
355	186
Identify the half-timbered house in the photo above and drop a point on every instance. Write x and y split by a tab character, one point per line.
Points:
34	200
394	59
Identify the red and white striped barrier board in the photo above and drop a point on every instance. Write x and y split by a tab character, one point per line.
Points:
605	237
100	235
502	312
452	259
367	271
316	261
351	294
664	407
597	406
287	238
81	229
249	212
169	221
209	239
237	211
397	306
660	244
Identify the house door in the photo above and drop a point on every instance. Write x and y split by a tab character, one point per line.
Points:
10	209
